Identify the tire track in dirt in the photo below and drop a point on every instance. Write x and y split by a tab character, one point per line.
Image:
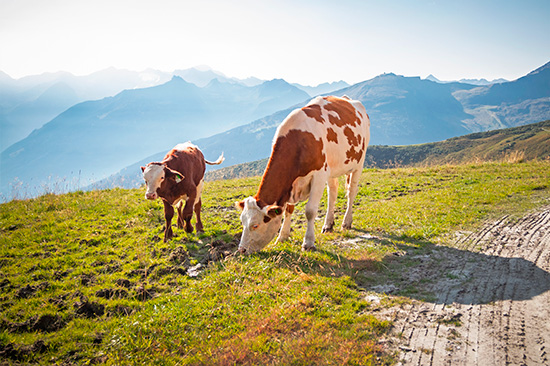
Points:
492	303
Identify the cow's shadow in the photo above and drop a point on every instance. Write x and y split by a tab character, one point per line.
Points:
428	272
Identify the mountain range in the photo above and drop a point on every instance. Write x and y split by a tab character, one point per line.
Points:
30	102
95	139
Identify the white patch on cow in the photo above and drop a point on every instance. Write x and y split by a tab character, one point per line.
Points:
180	200
153	175
184	146
333	114
257	233
199	192
317	100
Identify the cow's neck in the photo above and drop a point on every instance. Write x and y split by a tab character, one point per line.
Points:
276	184
294	155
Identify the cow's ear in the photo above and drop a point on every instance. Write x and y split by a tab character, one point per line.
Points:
173	173
142	169
274	211
239	205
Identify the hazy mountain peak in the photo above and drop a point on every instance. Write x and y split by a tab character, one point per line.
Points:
5	77
433	78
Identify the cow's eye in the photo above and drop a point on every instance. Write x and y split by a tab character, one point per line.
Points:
254	227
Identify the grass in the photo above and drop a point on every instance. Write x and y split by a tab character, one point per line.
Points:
86	279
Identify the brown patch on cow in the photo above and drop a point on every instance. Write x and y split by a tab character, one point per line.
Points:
294	155
356	155
331	135
353	139
289	209
314	111
190	164
261	204
345	111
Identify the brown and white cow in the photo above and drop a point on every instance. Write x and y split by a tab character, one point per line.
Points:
176	179
312	147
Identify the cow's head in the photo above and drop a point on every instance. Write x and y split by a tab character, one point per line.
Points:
260	224
156	176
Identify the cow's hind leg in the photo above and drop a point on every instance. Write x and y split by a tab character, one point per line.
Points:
197	209
332	195
168	214
352	186
198	205
180	215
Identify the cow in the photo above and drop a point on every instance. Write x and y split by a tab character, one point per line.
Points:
178	178
312	147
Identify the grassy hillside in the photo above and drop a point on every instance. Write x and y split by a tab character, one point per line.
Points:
519	143
86	279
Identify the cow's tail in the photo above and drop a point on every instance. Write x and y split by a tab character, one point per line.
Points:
217	162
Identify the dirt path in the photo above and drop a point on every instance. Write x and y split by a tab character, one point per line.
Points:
492	299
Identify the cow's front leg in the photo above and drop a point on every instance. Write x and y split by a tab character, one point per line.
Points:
168	214
284	233
197	209
317	188
332	195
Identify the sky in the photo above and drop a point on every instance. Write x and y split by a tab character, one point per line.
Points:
302	41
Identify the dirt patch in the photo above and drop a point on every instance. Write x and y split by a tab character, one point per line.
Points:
29	290
220	249
490	298
88	309
14	352
110	293
123	282
179	255
43	323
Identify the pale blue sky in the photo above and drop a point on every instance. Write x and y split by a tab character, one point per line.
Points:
305	41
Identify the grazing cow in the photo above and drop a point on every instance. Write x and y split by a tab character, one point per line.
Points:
177	178
312	147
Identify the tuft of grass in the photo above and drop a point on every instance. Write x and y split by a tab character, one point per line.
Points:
85	277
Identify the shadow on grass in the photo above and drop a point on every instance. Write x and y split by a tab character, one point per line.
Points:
424	271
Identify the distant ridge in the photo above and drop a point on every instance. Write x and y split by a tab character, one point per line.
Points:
478	82
527	142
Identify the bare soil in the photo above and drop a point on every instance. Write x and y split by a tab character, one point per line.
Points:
490	299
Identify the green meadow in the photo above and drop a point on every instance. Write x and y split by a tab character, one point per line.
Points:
85	277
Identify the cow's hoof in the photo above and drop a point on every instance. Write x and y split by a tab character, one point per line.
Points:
311	248
327	229
281	239
346	227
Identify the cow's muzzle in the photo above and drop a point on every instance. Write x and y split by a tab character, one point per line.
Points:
151	196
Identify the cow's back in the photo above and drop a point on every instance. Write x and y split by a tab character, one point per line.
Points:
341	124
188	160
